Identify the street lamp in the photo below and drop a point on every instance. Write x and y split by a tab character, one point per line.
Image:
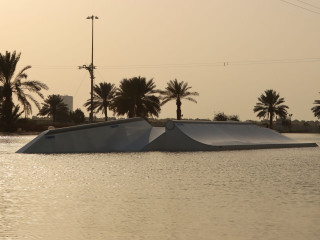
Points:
90	69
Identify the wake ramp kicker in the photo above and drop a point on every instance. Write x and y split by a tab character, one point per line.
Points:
136	134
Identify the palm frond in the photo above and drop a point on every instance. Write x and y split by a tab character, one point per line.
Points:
103	96
316	109
191	99
135	97
270	104
175	90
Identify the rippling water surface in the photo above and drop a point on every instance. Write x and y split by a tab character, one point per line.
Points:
258	194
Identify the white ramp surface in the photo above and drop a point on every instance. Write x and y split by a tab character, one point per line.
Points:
135	135
218	136
231	133
129	135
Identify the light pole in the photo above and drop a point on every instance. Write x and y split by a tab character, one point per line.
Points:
90	68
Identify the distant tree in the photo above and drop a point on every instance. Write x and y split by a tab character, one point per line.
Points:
177	91
316	109
234	118
270	105
103	95
17	85
55	107
220	117
77	116
286	122
135	98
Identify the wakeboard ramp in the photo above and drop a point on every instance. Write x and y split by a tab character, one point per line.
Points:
137	135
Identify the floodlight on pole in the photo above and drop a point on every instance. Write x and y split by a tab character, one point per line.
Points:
90	68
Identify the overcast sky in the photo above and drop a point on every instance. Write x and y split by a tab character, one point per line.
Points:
230	51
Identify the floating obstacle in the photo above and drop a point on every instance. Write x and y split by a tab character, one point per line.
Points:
137	135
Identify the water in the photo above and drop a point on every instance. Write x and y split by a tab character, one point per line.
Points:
258	194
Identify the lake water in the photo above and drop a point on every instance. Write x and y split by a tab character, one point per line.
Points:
257	194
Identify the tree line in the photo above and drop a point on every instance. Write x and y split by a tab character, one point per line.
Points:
135	97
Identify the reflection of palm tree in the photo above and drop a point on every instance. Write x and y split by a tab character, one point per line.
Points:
103	95
135	98
316	109
53	106
270	105
18	85
177	91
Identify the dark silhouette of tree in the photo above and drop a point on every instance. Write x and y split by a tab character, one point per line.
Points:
1	93
177	91
135	98
270	105
54	107
103	95
17	85
77	116
220	117
1	100
16	113
316	109
234	118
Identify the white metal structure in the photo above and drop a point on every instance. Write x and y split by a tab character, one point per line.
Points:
134	135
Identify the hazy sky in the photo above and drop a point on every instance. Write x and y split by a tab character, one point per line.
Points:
268	44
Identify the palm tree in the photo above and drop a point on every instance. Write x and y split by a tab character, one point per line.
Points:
270	104
177	91
316	109
135	98
103	95
17	85
53	106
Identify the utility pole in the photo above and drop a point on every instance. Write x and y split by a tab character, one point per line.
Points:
90	69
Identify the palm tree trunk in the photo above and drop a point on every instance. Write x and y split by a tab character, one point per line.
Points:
7	108
271	121
106	114
54	118
178	108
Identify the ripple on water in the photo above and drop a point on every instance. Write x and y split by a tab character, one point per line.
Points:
259	194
